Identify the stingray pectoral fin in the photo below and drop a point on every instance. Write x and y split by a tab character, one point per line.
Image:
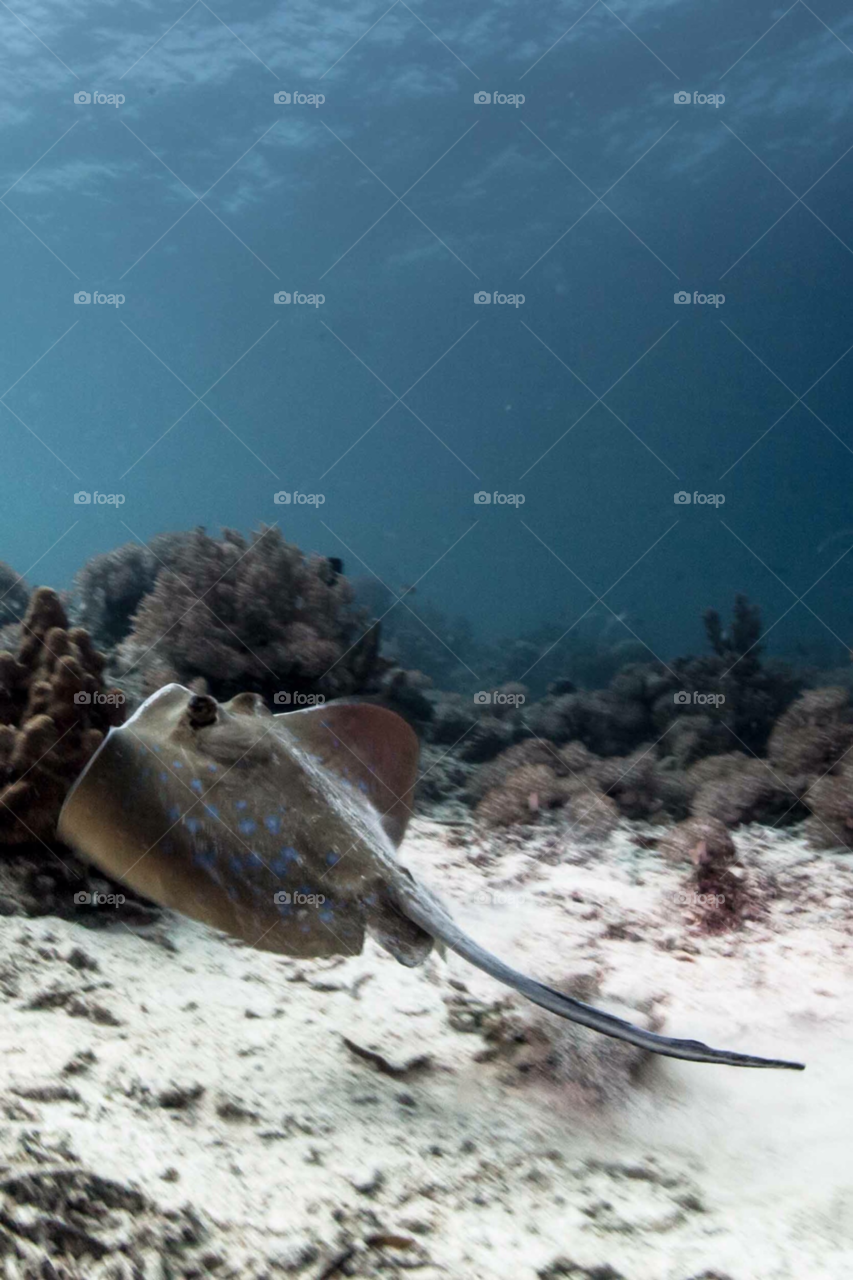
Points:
369	747
430	917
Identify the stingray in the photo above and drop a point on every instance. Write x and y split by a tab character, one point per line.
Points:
282	831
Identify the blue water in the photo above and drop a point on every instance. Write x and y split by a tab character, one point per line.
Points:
398	398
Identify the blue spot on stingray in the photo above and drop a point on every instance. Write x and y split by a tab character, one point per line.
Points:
193	825
273	824
247	826
254	859
235	864
211	809
196	785
205	858
174	813
362	786
213	768
164	777
326	914
176	764
241	804
289	853
332	859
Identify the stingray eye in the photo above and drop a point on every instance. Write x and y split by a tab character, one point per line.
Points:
201	710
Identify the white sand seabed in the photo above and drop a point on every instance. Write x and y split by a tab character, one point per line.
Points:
228	1073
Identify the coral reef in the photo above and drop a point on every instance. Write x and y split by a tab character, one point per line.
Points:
109	589
14	596
532	777
755	793
830	800
693	706
54	711
524	793
251	615
814	733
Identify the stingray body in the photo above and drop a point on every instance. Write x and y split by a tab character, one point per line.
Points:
282	831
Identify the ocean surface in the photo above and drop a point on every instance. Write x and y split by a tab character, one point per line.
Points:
545	310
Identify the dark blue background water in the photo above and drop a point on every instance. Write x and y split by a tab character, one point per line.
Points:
399	198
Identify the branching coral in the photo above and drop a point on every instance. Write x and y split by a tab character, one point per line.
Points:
54	711
252	615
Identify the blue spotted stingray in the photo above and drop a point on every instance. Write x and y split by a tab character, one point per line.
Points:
282	830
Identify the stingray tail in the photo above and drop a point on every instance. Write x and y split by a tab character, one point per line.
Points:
431	917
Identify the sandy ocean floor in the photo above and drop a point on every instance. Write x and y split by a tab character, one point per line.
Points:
175	1105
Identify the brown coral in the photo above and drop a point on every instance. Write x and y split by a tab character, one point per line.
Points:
54	711
521	797
251	614
831	801
754	792
493	775
814	733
